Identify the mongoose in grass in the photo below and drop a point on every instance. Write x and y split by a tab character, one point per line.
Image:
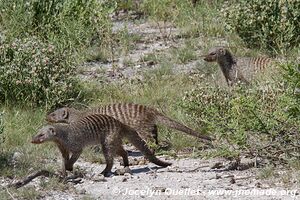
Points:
139	117
236	69
92	130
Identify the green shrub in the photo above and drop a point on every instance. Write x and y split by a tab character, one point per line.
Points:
232	114
36	73
292	77
1	125
53	37
273	25
161	10
246	118
70	24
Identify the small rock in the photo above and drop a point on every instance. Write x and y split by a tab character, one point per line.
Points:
82	191
142	162
218	176
124	179
157	188
127	174
122	171
99	178
217	165
232	180
16	156
258	184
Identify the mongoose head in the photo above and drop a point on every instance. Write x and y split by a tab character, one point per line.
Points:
60	115
216	54
47	133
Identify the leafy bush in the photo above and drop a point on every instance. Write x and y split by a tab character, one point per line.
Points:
247	119
1	123
70	24
268	24
35	72
160	10
1	129
53	36
292	77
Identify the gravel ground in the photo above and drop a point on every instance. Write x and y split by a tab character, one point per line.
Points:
186	178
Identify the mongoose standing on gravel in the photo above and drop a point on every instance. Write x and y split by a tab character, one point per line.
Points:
91	130
139	117
236	69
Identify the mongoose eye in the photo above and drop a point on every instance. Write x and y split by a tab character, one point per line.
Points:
213	53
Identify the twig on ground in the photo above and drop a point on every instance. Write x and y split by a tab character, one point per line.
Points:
12	197
29	178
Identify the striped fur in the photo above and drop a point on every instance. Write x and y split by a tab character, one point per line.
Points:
139	117
92	130
237	69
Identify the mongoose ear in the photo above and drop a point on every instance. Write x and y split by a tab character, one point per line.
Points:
65	114
52	131
222	51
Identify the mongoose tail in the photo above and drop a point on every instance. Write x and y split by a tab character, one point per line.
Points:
141	145
162	119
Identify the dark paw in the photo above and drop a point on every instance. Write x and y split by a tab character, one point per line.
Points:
106	174
68	168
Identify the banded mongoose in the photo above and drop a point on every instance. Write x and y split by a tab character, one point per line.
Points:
92	130
139	117
236	69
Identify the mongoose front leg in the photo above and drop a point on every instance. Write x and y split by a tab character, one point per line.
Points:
109	160
65	157
72	160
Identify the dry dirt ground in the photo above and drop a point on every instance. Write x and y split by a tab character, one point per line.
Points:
187	177
154	38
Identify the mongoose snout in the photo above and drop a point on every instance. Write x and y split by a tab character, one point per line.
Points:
43	135
211	57
37	139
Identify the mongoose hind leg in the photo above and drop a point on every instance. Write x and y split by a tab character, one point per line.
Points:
155	134
123	153
126	169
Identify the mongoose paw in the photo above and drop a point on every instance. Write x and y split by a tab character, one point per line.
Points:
69	168
106	173
62	174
